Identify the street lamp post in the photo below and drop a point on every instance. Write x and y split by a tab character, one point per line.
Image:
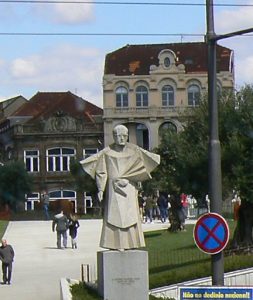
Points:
215	186
215	189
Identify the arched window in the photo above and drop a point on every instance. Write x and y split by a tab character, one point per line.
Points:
193	95
58	159
141	96
121	97
167	95
167	126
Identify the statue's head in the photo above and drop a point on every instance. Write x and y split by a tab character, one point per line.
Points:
120	135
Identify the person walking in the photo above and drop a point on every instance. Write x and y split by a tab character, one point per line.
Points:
6	256
45	202
73	226
163	206
60	222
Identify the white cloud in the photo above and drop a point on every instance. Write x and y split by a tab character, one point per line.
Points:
232	20
64	68
23	67
67	13
229	20
245	70
73	13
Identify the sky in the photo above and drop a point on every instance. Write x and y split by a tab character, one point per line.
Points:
45	59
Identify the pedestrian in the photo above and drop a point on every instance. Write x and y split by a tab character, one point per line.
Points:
149	208
73	226
141	202
45	202
162	203
6	256
184	202
60	221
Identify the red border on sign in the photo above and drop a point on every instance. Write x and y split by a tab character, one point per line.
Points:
222	222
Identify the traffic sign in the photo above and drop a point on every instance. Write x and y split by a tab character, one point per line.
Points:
211	233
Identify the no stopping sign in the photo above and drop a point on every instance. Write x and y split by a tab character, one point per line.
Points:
211	233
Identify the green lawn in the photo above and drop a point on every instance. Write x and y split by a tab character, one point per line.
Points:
174	257
3	225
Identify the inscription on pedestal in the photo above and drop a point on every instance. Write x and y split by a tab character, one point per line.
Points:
126	281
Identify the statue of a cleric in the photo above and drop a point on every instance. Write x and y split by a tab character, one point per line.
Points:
117	169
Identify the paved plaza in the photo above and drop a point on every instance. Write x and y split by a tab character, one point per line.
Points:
39	265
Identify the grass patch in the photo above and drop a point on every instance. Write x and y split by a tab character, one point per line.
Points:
174	257
3	226
81	291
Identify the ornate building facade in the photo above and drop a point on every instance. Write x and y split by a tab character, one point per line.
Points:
45	133
151	87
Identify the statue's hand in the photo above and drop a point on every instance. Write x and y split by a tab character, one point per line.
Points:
122	182
100	195
119	185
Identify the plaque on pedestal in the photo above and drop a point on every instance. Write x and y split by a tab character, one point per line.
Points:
123	275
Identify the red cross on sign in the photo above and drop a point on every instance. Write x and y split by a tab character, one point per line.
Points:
211	233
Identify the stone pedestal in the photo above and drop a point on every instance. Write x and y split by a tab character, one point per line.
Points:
123	275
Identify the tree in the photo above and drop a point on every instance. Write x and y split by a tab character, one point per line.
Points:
83	181
15	182
184	156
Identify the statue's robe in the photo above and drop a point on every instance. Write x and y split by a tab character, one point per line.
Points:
118	173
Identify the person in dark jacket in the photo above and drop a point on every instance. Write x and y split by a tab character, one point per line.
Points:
73	225
60	222
6	256
162	203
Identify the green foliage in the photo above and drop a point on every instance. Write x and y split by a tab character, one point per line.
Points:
15	182
83	181
184	155
82	291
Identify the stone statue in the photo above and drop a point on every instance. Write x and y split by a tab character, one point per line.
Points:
117	170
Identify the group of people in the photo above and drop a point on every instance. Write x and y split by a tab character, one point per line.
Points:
155	206
62	224
164	207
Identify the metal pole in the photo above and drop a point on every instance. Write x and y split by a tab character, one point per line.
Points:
215	186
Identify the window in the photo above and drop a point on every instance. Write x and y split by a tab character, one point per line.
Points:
31	160
58	159
193	95
121	97
60	194
167	127
31	200
89	151
141	96
32	196
167	96
167	62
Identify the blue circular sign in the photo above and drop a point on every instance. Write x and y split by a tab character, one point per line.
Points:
211	233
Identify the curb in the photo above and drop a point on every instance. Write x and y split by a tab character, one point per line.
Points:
65	284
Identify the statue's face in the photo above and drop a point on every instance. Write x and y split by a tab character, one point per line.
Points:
120	137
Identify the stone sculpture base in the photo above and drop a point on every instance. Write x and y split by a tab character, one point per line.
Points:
123	275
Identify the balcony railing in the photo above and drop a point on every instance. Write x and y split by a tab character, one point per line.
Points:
146	112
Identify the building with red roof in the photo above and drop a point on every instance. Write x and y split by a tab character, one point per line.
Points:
45	133
150	87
